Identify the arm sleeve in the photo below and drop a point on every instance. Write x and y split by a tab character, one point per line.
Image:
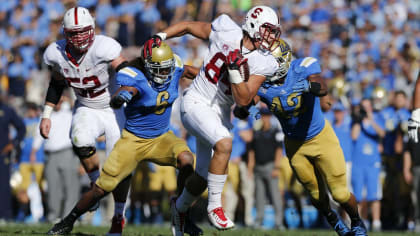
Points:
55	90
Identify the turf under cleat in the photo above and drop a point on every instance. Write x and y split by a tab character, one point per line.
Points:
358	228
116	226
191	228
61	228
178	219
342	229
219	220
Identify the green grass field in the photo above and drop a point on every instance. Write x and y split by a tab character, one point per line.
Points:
21	229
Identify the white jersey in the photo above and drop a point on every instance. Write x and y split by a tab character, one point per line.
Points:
212	81
89	79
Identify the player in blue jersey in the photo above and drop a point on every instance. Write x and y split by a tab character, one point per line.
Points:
149	86
312	147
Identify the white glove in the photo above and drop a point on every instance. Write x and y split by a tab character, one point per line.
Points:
414	126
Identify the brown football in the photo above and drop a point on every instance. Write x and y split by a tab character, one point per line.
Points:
244	71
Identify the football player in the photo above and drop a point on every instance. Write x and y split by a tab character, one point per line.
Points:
311	145
149	87
414	121
81	61
206	106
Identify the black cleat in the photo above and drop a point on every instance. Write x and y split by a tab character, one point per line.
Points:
190	227
61	228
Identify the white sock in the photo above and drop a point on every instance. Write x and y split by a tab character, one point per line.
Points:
215	184
119	208
184	201
93	175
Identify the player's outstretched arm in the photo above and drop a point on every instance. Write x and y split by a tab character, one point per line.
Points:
196	28
190	72
123	95
54	92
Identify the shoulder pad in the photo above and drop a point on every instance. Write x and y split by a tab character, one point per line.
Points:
178	61
224	23
307	61
50	53
128	71
109	48
260	64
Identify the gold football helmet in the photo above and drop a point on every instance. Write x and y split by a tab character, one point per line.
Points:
161	65
283	55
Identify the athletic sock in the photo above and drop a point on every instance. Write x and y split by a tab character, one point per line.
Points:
73	215
332	218
184	201
119	209
93	175
215	186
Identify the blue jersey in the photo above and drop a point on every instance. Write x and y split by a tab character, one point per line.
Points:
148	113
300	114
366	147
392	118
31	125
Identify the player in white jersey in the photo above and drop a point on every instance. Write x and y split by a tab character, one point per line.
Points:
81	61
206	105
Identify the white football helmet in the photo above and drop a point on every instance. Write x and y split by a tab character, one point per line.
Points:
79	28
263	25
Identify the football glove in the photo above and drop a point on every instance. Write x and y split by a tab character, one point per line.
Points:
235	59
155	40
414	126
122	97
301	85
240	112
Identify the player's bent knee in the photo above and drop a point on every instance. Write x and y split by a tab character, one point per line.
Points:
107	183
84	152
340	194
185	159
224	146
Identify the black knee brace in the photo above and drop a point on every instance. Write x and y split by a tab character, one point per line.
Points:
84	152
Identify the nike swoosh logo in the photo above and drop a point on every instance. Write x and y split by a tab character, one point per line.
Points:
223	225
88	69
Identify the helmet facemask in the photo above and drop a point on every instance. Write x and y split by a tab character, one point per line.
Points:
80	39
283	54
160	66
267	36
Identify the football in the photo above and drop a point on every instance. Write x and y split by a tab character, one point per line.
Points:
244	71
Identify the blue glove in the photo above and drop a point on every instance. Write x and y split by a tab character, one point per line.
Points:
301	86
122	96
125	95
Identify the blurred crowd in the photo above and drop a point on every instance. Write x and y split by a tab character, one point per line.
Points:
369	53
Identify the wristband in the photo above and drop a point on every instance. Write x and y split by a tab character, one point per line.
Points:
235	77
47	112
162	35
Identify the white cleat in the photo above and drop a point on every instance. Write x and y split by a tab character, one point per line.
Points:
178	219
219	220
